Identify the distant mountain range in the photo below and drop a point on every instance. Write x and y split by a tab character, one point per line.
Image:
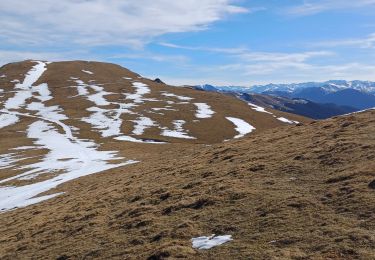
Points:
297	106
329	98
328	86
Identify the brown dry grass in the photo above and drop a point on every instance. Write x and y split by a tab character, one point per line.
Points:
298	192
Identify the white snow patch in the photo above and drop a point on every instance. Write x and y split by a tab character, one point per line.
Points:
3	76
163	108
100	119
85	160
285	120
210	242
178	131
141	89
88	72
242	127
18	100
7	120
25	88
204	110
108	121
97	98
8	160
24	148
51	113
182	98
44	93
141	124
135	140
259	108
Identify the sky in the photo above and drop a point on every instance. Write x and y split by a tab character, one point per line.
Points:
191	42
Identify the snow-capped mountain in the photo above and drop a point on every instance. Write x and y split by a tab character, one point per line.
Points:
355	94
328	86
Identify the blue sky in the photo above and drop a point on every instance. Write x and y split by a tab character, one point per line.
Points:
219	42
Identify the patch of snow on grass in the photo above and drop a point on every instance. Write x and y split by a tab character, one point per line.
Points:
242	127
135	140
285	120
182	98
204	110
25	88
85	160
88	72
8	160
51	113
259	108
163	108
141	124
25	91
141	89
210	242
44	93
178	131
97	98
107	121
7	120
18	100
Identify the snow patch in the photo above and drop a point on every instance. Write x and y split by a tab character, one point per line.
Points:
135	140
7	120
259	108
204	110
210	242
141	89
84	161
44	93
182	98
163	108
141	124
285	120
88	72
178	131
242	127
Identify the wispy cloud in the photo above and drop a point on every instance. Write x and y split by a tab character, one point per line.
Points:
152	56
310	7
101	22
366	42
253	67
238	50
7	56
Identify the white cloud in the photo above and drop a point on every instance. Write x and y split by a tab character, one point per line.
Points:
239	50
246	54
7	56
249	67
366	42
310	7
11	56
180	59
103	22
283	58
